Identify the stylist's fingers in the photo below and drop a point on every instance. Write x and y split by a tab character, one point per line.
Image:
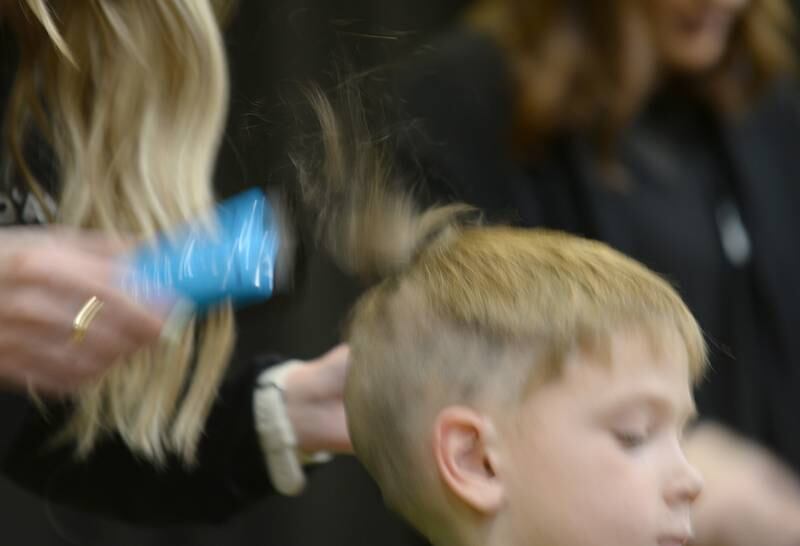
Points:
46	279
65	365
38	327
333	367
45	371
90	241
95	242
339	354
71	278
314	399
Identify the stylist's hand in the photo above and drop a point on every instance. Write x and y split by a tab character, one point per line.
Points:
749	498
46	277
315	405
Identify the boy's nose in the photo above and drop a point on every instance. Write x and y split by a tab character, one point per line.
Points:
685	485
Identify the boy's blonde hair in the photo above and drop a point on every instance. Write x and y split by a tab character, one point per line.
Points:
482	316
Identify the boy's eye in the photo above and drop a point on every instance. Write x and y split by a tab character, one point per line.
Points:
629	439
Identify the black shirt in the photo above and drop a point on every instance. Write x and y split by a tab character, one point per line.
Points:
18	205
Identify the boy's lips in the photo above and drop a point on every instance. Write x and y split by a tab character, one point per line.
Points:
677	539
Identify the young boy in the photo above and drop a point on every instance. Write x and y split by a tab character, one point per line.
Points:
523	387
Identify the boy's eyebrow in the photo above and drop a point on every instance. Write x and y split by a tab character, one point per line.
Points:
658	402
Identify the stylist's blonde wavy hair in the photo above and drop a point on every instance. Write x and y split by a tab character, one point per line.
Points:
132	96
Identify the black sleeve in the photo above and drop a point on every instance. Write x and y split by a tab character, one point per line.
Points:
230	474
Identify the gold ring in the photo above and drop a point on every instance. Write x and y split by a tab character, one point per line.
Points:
84	318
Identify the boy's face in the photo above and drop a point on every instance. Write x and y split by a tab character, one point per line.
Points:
595	457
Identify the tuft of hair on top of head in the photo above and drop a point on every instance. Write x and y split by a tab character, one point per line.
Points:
363	211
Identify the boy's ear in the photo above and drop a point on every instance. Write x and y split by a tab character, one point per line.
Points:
466	452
